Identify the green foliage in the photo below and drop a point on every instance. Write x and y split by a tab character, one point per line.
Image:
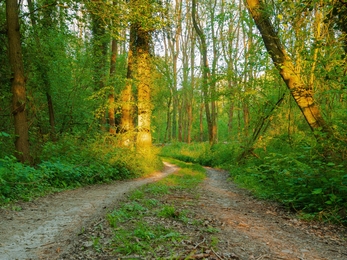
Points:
126	212
301	180
168	211
70	163
157	189
188	177
201	153
18	180
292	171
143	238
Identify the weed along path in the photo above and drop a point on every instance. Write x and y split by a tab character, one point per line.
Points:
182	216
43	229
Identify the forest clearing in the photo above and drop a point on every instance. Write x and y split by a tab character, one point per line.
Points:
97	93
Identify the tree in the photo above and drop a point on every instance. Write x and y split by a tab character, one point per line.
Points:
143	82
100	49
301	92
126	96
18	83
41	61
111	108
143	23
210	111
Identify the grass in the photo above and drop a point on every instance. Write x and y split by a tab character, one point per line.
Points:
152	222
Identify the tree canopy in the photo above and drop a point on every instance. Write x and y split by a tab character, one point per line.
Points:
264	79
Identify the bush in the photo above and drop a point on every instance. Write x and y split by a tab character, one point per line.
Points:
70	163
300	181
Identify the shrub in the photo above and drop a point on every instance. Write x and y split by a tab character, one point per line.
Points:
73	162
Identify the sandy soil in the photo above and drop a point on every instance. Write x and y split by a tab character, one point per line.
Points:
249	228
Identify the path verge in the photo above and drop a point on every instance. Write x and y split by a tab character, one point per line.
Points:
43	229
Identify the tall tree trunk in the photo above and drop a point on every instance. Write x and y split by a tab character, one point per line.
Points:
143	82
203	49
168	128
126	123
167	136
230	118
302	93
180	119
174	115
175	49
22	146
201	123
191	90
213	76
111	108
100	48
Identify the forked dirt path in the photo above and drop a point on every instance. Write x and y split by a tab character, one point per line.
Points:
44	227
249	228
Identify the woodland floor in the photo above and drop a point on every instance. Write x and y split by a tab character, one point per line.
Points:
241	226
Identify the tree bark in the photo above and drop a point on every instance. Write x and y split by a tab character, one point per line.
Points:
111	108
203	49
143	82
175	49
302	93
100	49
191	90
126	123
22	146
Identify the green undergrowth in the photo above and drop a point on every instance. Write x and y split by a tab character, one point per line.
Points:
140	224
314	188
294	173
202	153
72	162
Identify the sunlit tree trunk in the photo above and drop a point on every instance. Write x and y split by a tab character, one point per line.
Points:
143	82
302	93
18	83
111	108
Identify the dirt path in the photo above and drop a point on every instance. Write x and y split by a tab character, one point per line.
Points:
43	228
249	228
254	229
